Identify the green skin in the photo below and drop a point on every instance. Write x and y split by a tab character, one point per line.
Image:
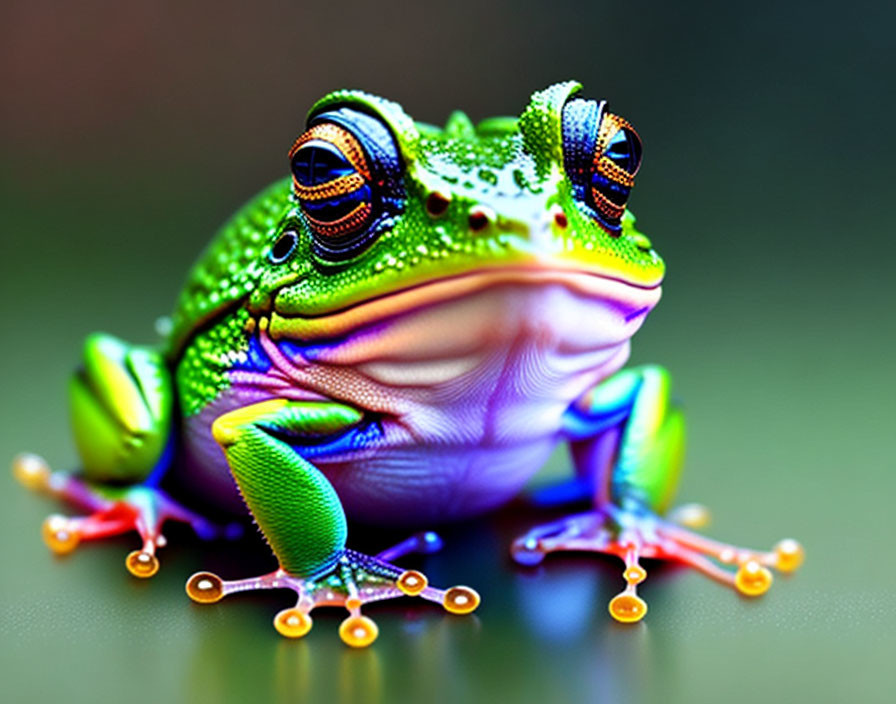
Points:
626	435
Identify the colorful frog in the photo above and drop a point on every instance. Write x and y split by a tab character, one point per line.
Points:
402	331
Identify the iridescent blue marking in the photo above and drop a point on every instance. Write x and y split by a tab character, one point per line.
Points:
637	314
615	192
158	472
307	352
353	440
579	424
256	358
565	492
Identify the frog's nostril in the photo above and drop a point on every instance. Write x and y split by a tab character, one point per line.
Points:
560	218
437	203
480	217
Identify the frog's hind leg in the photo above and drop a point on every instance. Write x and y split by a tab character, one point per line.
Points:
121	404
302	519
628	439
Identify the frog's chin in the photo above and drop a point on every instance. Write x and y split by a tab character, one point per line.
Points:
631	302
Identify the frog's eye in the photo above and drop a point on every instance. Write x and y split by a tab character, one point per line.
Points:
345	173
602	154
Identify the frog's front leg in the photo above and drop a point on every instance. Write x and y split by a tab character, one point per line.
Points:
267	447
628	441
121	407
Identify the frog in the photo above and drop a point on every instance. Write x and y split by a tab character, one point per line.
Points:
402	331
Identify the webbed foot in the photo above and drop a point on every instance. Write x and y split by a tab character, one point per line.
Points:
112	510
354	580
633	533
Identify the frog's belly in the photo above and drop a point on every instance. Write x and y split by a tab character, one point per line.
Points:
470	396
394	481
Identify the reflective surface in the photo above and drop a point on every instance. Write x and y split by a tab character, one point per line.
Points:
764	186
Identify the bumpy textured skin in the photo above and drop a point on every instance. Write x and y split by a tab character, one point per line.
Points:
523	159
457	306
415	250
294	505
230	266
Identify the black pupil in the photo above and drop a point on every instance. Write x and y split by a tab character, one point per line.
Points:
319	162
615	192
624	150
283	247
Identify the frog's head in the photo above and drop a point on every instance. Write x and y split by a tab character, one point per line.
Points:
382	205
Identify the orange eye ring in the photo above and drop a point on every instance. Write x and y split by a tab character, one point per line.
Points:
345	198
346	224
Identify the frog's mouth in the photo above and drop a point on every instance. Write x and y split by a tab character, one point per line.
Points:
630	301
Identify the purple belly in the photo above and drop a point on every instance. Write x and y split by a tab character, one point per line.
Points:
396	483
470	394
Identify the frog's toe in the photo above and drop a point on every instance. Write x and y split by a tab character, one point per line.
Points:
59	534
789	555
460	600
142	563
632	534
143	508
690	515
32	471
745	569
205	588
358	631
353	581
627	608
424	543
62	534
293	623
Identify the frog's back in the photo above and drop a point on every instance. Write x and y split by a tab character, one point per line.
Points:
227	270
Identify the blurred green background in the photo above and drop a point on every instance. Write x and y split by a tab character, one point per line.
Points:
129	131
